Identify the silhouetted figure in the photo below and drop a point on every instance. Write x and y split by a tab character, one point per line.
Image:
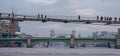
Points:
105	18
97	17
78	17
41	15
115	18
110	18
45	16
38	15
0	15
119	19
8	15
101	18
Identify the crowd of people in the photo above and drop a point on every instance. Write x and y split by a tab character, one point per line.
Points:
101	18
104	18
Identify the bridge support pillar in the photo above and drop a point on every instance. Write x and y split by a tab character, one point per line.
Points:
72	40
29	43
118	40
118	44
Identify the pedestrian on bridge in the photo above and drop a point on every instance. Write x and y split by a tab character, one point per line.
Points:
115	18
9	15
119	19
41	15
78	17
97	17
45	16
105	18
110	18
101	18
0	15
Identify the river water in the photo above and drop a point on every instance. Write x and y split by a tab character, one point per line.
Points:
59	52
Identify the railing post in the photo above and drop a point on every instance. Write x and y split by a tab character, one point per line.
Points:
118	40
29	43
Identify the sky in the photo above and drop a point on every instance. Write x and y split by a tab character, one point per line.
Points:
90	8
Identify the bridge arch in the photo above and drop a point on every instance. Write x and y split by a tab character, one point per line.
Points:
12	43
51	43
23	44
95	43
39	43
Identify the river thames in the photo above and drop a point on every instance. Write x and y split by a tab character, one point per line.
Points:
88	51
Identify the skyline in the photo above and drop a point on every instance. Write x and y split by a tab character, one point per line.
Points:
62	7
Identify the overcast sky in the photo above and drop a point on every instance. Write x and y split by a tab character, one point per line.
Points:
62	7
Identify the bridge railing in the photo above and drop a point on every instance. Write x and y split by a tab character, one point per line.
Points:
61	18
71	17
16	16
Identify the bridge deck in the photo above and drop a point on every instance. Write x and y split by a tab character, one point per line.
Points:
64	19
58	39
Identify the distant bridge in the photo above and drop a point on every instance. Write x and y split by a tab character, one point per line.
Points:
80	41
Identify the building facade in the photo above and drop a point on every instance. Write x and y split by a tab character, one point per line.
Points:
8	28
